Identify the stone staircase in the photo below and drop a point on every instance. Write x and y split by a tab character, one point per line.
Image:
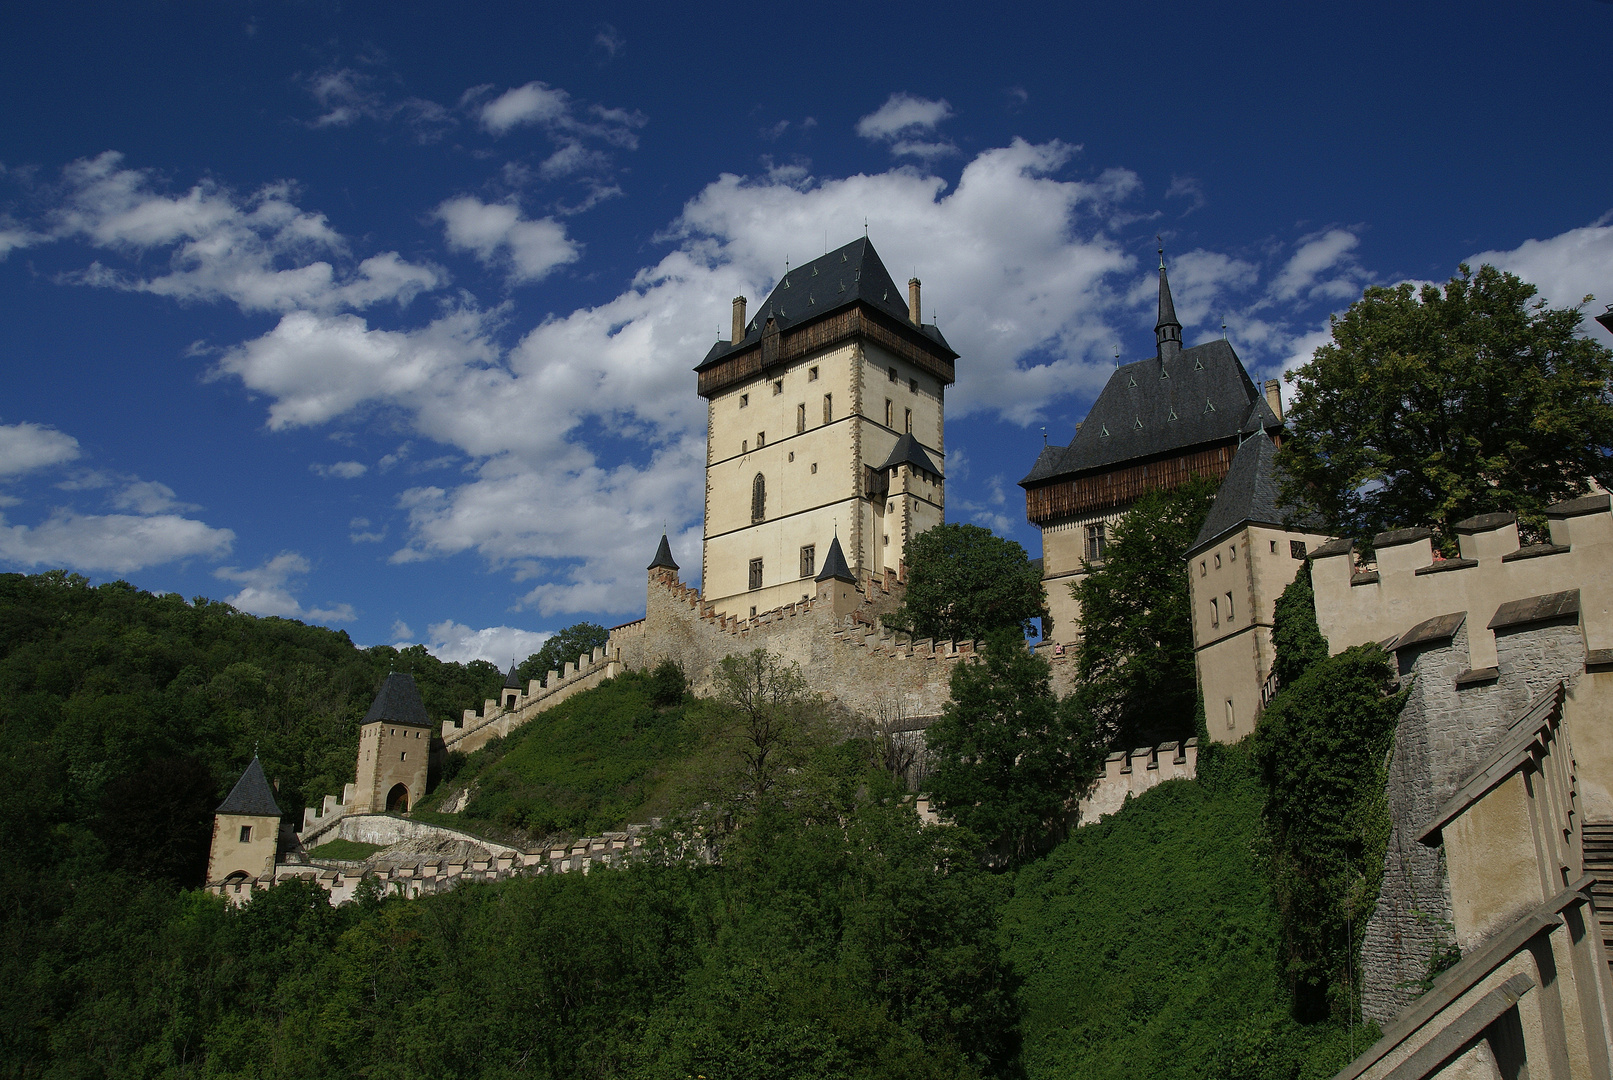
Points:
1598	853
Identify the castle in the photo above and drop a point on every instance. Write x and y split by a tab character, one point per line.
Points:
825	424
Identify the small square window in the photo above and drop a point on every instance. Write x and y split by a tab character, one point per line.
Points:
753	611
809	560
761	439
1229	607
1296	549
812	374
828	408
792	455
909	420
744	446
1274	547
744	400
913	386
814	466
246	834
778	387
1218	560
892	374
891	509
887	539
1233	553
1202	570
404	756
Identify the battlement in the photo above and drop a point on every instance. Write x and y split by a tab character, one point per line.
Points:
498	718
424	875
1126	774
315	824
1407	585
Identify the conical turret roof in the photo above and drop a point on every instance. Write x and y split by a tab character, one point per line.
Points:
252	795
834	565
399	700
512	681
663	557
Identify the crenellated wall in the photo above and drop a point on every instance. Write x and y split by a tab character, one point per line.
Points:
1125	775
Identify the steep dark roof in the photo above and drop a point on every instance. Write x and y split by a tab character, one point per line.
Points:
251	796
823	286
1251	493
663	557
1047	463
512	681
1167	306
1199	396
907	451
399	700
834	565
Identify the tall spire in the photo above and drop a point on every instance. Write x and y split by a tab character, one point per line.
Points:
1167	332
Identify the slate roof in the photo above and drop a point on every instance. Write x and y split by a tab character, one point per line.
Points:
825	285
1199	396
834	565
512	681
251	796
907	451
398	700
663	557
1251	492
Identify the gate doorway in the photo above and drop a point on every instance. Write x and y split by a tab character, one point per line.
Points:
397	800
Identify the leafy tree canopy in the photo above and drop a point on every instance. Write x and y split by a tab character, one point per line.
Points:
562	649
1006	754
1430	406
964	582
1138	683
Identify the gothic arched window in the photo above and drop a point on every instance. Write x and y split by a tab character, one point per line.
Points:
758	499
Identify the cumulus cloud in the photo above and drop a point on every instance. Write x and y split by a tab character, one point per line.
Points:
458	643
341	470
114	543
1322	268
564	119
1566	268
908	124
26	447
497	234
267	590
149	497
259	251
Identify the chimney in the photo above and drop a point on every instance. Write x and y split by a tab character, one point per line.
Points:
739	320
1274	396
913	301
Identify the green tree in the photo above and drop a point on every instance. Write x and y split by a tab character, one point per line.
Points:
1006	755
1323	746
562	649
964	582
1138	683
772	720
1428	407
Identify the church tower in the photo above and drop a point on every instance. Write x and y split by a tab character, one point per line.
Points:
824	419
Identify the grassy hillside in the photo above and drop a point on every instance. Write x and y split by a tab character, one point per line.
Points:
1148	945
610	756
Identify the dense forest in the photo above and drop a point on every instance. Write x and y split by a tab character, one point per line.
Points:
835	936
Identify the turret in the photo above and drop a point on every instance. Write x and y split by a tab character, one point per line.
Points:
246	829
1167	331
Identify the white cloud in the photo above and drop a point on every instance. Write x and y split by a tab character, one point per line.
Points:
341	470
26	447
534	103
267	590
458	643
149	497
346	96
1566	268
908	124
1323	267
259	251
496	233
115	543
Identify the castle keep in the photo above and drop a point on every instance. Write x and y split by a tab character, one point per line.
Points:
824	421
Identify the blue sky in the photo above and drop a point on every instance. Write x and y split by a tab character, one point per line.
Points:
383	316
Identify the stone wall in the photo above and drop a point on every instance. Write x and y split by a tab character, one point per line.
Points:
1451	722
1125	775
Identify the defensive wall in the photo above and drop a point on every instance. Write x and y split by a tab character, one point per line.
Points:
1127	774
474	859
1502	765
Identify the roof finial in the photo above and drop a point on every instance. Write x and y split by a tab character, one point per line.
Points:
1223	328
1044	434
1161	244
